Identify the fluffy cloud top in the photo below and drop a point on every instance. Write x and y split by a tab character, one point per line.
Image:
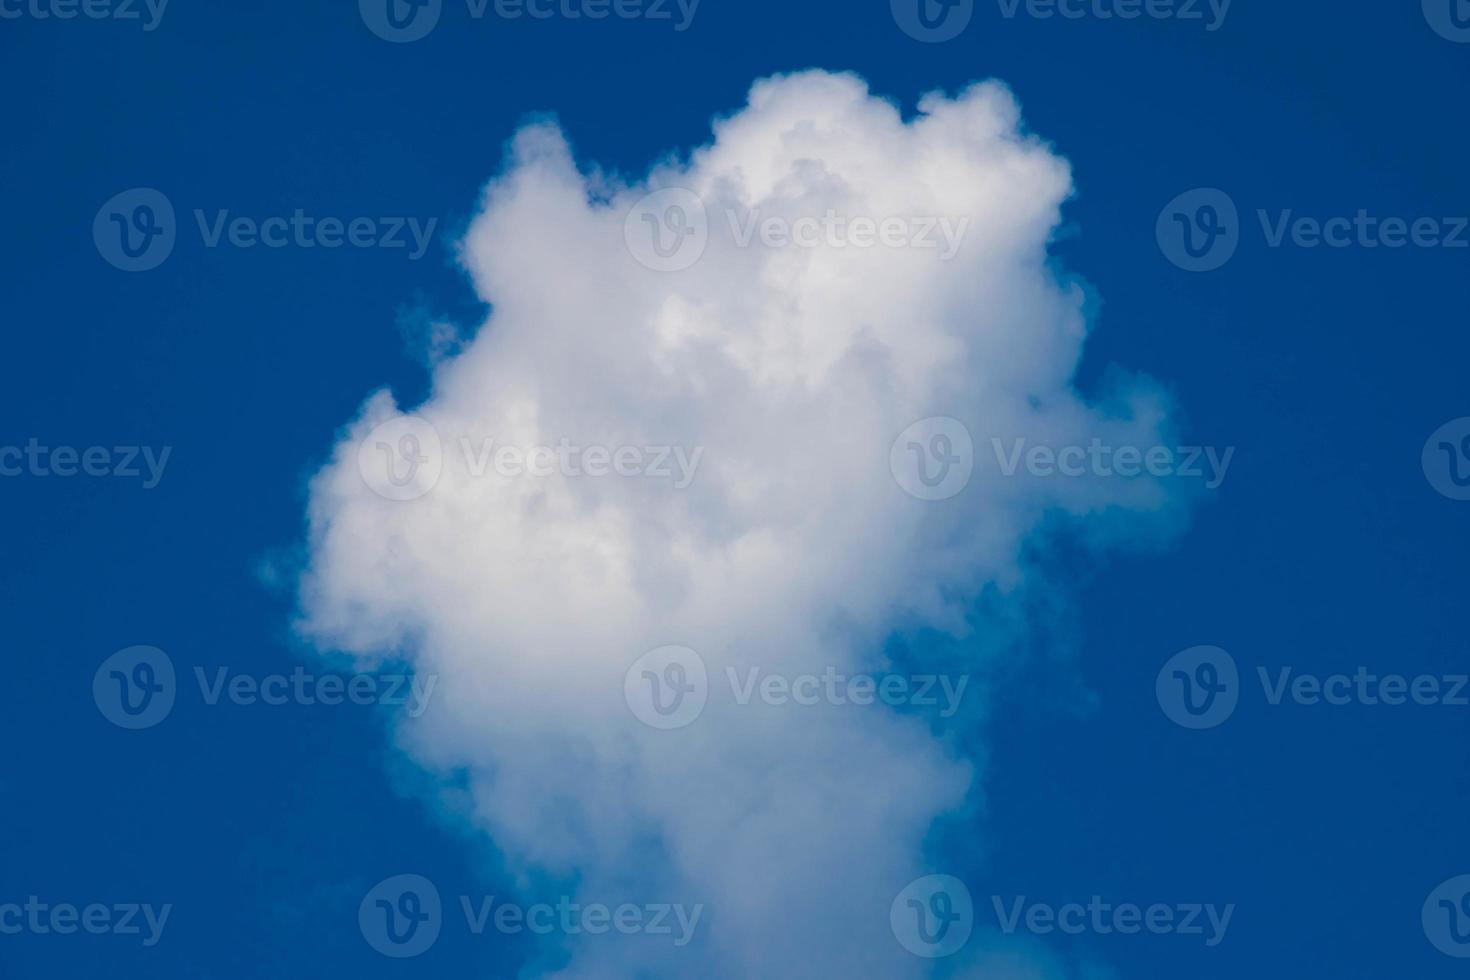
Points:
792	369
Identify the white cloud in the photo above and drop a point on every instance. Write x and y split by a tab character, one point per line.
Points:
794	549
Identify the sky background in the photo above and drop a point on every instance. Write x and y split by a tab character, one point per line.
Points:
1326	548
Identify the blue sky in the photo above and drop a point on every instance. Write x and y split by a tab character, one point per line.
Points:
1326	548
